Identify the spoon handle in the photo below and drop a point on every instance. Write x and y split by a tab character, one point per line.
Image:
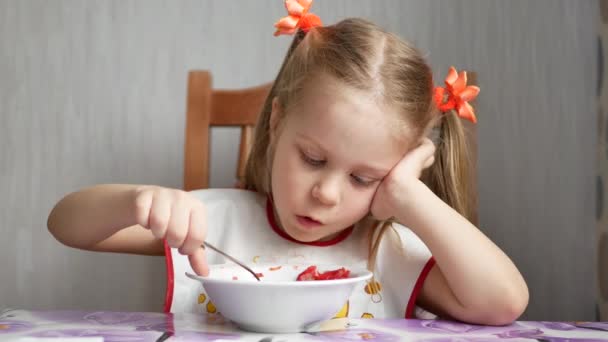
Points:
210	246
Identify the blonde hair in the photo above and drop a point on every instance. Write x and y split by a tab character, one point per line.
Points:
361	55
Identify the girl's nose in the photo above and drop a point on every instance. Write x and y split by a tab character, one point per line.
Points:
327	191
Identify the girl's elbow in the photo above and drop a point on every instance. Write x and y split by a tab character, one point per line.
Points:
512	307
519	303
53	224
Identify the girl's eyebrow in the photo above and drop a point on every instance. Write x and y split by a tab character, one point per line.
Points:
380	172
375	171
311	141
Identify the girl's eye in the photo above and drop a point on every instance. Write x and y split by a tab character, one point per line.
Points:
311	161
363	181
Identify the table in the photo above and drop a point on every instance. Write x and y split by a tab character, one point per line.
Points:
26	325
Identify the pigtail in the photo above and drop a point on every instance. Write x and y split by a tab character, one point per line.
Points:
449	177
257	170
376	232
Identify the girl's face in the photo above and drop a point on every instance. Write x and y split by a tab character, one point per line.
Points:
332	150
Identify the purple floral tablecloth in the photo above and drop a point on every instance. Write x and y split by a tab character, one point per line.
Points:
23	325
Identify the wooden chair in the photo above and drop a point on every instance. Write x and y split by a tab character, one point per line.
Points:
208	107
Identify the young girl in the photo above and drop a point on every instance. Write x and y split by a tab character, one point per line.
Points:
343	172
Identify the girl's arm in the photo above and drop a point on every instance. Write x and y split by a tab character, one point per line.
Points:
102	218
131	219
473	280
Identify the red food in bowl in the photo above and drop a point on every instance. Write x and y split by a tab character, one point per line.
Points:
311	273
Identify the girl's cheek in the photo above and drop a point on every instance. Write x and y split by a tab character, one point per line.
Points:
363	201
288	173
297	179
295	169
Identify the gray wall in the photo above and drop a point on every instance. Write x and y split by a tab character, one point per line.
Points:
602	166
93	91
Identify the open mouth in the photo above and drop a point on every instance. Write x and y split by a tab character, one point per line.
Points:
308	222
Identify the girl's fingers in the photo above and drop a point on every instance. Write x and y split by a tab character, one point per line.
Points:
429	162
160	213
426	149
197	231
143	206
198	261
177	229
417	159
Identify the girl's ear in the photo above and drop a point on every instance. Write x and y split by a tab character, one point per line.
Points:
275	114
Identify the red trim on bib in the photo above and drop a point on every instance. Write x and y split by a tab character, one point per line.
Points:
270	215
170	279
411	304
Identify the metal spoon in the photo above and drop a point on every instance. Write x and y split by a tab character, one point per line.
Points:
207	244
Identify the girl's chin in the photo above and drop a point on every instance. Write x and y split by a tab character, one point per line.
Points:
308	236
304	236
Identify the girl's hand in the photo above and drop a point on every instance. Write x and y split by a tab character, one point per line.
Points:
393	193
176	216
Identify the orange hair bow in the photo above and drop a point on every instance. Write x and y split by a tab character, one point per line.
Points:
298	18
458	95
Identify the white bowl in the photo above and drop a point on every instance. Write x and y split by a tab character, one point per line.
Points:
278	303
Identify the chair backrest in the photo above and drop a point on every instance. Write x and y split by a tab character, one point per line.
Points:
208	107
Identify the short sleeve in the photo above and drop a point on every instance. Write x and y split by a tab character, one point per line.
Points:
402	265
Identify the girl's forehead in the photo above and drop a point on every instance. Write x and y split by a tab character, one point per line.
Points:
326	103
351	124
321	86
